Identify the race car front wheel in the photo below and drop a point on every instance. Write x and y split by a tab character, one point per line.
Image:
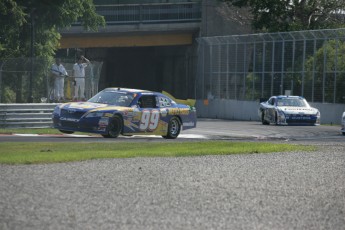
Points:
174	128
263	121
114	128
276	118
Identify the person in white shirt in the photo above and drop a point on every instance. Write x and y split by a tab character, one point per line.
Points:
79	77
59	73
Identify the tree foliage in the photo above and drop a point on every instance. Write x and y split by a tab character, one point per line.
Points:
45	17
327	69
293	15
30	28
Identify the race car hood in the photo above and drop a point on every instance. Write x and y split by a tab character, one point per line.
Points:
298	110
89	107
82	106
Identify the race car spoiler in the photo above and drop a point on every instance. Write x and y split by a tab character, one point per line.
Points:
190	102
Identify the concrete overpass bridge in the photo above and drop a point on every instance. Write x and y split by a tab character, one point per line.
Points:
145	44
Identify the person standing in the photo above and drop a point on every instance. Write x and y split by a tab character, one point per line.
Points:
59	73
79	77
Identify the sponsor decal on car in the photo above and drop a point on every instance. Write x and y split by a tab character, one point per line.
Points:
164	112
68	119
103	122
128	123
178	111
301	118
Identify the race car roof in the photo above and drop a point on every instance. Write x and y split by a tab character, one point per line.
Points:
128	90
287	96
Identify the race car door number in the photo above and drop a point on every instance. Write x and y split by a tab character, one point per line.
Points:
149	119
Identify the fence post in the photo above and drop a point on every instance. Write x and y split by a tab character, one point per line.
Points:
1	64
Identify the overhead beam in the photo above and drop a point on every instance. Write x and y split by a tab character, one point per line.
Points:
95	41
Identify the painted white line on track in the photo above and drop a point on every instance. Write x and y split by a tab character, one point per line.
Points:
197	136
25	135
190	136
50	135
78	135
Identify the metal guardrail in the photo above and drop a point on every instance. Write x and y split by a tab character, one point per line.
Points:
35	115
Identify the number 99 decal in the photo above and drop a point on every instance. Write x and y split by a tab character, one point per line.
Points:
149	120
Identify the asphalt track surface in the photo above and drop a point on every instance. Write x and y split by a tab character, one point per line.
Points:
295	190
208	129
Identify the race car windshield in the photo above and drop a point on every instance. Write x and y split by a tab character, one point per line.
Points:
295	102
113	98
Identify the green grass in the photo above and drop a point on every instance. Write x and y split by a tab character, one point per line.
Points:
39	152
36	131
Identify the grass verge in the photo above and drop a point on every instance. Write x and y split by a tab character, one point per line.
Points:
35	131
42	152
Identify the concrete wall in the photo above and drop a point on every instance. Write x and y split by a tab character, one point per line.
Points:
330	113
248	110
220	19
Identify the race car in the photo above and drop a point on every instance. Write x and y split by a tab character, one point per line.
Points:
288	110
115	111
343	123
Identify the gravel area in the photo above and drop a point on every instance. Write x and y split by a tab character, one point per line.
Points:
297	190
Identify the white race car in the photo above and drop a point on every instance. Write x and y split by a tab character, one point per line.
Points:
288	110
343	123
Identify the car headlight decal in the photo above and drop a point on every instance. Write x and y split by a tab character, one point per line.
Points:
57	110
280	116
94	114
281	113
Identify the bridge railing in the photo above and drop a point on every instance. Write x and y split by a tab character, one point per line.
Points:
149	13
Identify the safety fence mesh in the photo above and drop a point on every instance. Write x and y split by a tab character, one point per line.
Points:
24	80
250	67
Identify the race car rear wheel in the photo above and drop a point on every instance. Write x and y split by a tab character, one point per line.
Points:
263	121
174	128
65	131
114	128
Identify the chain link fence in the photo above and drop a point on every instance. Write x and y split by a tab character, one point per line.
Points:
24	80
250	67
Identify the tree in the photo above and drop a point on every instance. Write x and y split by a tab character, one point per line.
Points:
18	18
326	69
30	28
293	15
12	17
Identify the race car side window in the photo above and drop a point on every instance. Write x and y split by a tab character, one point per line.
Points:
271	101
280	102
147	101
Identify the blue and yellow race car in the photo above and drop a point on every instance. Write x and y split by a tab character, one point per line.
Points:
115	111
